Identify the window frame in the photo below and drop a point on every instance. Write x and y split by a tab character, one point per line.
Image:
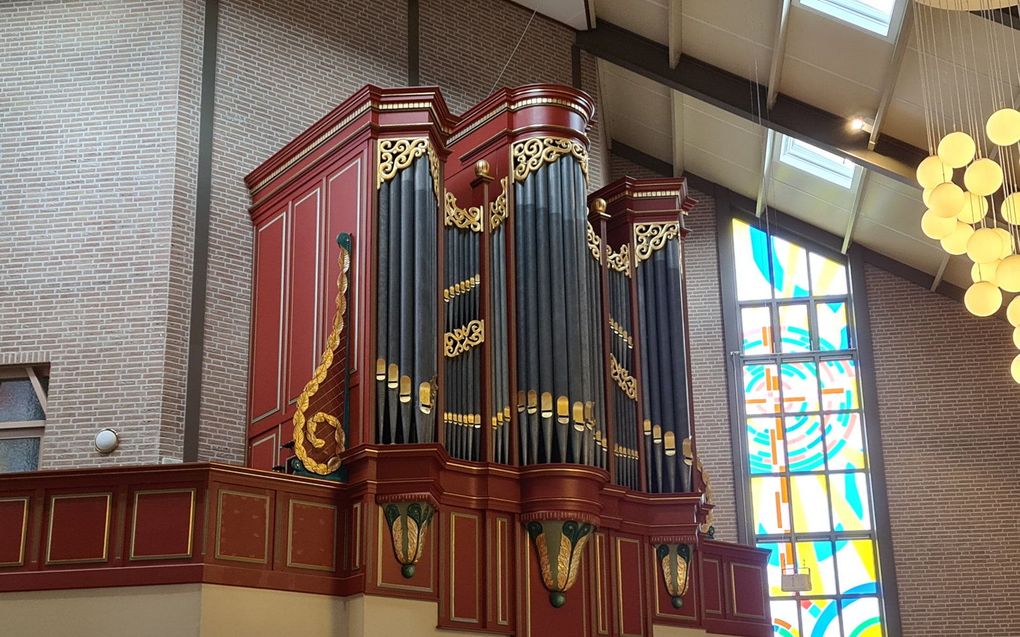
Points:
16	429
857	15
729	205
811	162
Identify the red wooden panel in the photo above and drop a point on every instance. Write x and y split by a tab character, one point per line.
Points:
267	329
540	617
629	590
465	559
264	449
79	528
346	211
311	535
601	571
711	587
162	524
303	325
242	526
13	529
747	591
501	571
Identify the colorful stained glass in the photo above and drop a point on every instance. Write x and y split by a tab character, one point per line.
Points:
795	331
761	389
784	619
843	441
751	257
851	502
800	387
818	557
780	558
855	560
827	276
756	325
809	499
833	330
804	443
861	617
819	617
771	505
789	267
765	445
839	385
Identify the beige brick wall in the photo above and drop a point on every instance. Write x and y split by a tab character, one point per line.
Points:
95	101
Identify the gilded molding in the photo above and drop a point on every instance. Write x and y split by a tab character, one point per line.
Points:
461	287
626	382
464	338
308	428
465	219
650	237
531	154
397	154
594	242
645	194
500	212
619	261
617	329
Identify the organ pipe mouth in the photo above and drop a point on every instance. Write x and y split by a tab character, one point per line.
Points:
669	446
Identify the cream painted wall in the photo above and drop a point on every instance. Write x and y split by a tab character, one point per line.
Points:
208	610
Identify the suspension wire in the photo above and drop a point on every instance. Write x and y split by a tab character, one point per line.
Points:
514	52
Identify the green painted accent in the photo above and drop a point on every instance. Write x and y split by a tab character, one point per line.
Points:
407	570
557	599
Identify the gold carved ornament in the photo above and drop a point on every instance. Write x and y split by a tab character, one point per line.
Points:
559	545
463	338
397	154
308	428
650	237
457	217
594	242
623	378
531	154
619	261
500	212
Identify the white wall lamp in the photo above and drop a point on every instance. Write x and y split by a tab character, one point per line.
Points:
106	441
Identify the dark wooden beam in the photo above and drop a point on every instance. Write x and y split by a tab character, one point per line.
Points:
744	97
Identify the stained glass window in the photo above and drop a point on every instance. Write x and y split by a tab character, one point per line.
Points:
22	417
800	404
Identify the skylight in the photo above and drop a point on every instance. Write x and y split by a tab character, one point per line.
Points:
871	15
815	161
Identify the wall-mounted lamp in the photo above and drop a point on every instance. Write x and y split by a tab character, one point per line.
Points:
862	124
106	441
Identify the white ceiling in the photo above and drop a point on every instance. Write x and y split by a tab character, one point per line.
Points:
826	63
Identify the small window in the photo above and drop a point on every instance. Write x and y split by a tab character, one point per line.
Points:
815	161
875	16
22	417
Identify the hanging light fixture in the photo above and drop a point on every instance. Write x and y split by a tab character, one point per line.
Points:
973	130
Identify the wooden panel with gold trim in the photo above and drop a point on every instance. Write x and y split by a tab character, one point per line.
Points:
78	531
243	530
628	585
712	599
461	570
601	584
162	524
13	530
501	571
746	584
311	535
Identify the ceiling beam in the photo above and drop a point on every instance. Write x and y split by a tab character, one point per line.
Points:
766	172
855	210
676	31
778	54
892	73
742	97
676	99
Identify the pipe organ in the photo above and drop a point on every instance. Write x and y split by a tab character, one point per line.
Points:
495	354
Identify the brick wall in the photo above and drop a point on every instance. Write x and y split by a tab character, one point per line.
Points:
95	99
949	413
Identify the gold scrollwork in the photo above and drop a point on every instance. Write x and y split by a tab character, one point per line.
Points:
650	237
465	219
397	154
500	213
594	243
623	378
463	338
308	428
532	154
619	261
